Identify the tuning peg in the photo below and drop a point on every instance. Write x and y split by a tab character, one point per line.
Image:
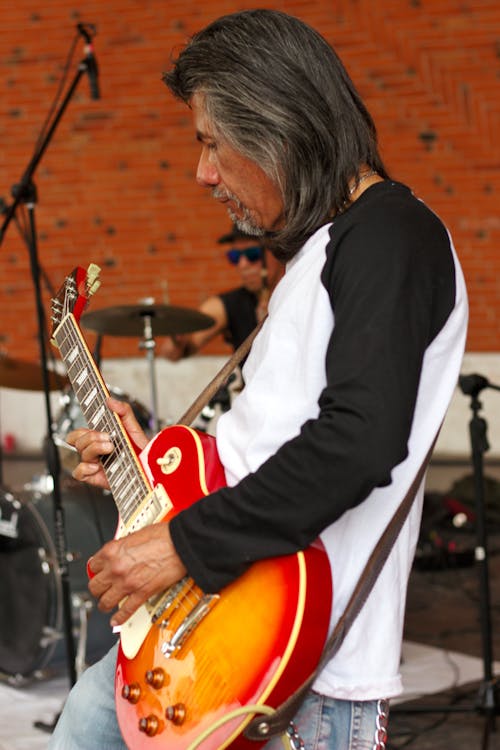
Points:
93	282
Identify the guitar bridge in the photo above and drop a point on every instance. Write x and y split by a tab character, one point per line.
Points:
179	611
190	622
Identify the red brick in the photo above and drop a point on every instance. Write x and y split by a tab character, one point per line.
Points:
118	177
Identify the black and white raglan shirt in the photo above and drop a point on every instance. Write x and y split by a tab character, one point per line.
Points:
346	386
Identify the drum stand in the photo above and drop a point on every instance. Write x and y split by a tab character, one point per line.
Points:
84	604
25	192
488	697
148	343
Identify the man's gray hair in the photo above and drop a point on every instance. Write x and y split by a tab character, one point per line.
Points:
277	92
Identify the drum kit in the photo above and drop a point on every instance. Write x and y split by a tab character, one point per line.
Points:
31	634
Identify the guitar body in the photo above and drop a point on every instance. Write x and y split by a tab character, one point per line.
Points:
188	660
259	641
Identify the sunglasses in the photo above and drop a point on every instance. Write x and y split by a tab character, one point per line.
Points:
252	254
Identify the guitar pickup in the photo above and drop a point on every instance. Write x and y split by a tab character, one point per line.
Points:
152	509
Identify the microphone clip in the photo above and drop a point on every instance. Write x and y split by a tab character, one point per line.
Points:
88	31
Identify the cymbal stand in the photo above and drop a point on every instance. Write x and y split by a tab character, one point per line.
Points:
25	193
149	344
488	698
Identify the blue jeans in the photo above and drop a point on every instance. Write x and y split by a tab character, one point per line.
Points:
323	723
88	720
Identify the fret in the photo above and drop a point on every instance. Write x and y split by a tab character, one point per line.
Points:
81	376
89	399
128	484
123	485
98	417
132	495
113	464
72	355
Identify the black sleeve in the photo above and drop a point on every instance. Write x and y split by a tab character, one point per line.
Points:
384	284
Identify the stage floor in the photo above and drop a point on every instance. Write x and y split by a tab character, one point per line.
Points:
427	672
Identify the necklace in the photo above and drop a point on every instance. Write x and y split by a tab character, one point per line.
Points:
361	179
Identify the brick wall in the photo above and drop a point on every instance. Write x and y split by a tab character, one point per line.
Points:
116	184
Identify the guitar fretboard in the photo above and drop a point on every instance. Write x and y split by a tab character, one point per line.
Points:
126	478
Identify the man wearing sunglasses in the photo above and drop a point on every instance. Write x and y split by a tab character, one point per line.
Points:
237	311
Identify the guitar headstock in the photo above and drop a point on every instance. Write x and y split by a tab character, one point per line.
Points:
73	296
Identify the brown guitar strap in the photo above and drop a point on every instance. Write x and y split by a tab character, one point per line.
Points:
220	378
263	727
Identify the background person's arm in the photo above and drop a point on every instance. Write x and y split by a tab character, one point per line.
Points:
178	347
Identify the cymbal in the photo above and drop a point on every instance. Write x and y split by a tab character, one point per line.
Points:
27	376
128	320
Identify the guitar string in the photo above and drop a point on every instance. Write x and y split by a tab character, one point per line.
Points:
130	476
106	422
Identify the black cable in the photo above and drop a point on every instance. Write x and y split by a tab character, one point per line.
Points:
417	733
60	88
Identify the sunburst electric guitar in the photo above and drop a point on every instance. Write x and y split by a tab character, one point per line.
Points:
192	666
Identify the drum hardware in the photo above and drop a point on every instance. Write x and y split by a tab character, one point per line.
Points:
487	702
32	638
218	404
27	376
148	344
45	563
41	484
9	526
128	320
70	417
147	320
84	605
49	636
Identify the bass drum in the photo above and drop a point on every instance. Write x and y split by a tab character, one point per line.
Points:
71	418
32	627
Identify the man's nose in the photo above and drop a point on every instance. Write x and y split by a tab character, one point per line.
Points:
206	173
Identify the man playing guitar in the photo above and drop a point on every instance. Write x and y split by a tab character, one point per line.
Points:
346	383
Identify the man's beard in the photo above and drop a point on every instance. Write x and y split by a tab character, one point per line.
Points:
245	222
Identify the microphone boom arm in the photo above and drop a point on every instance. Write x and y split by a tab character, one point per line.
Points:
23	187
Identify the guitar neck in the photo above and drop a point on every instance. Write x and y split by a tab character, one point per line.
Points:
126	478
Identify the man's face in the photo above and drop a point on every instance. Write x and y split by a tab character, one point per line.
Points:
252	200
252	272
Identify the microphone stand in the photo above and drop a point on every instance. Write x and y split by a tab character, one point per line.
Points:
488	697
25	192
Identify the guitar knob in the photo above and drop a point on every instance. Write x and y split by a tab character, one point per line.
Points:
131	692
149	725
155	677
176	714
